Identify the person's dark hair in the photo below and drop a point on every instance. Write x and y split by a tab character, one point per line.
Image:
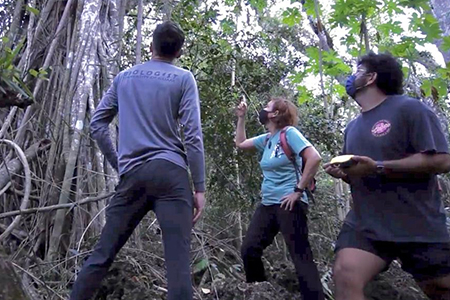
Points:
388	69
168	38
287	112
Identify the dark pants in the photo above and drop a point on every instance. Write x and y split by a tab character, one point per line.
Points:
156	185
266	223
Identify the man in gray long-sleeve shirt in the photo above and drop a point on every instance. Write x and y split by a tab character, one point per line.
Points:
153	99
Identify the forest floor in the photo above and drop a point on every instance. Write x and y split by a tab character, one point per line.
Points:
139	274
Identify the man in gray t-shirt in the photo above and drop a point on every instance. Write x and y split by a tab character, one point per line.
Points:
397	213
154	100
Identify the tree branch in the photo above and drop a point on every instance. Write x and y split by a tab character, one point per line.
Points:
53	207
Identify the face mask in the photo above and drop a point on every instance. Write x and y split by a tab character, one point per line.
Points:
350	85
263	116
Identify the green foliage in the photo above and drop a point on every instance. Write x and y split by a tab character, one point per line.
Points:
228	26
41	73
431	27
309	8
276	56
345	12
426	87
392	7
258	4
323	132
444	72
446	43
32	10
416	4
10	76
304	95
291	16
200	266
333	65
390	28
441	86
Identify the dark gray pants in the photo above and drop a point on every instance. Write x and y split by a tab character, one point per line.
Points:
157	185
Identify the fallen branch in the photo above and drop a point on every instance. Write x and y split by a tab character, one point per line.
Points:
53	207
17	233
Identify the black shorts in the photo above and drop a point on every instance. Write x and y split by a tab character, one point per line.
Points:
424	261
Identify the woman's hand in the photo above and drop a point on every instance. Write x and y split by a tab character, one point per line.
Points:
241	109
288	202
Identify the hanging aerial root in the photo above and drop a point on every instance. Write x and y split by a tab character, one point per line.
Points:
26	200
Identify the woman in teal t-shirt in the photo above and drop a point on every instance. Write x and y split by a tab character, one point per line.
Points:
284	203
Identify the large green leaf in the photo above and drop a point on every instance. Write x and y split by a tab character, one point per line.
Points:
33	73
417	4
291	16
201	265
388	28
304	95
431	27
260	5
426	87
441	86
446	43
32	10
309	8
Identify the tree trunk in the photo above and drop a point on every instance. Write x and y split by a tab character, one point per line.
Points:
441	10
96	37
88	77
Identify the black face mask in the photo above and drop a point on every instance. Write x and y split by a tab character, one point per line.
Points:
263	116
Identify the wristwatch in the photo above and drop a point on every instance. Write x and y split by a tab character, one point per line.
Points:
298	190
380	168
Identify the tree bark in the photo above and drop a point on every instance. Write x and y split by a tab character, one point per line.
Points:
139	33
15	166
441	10
97	44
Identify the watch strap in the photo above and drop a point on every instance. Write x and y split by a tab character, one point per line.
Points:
298	190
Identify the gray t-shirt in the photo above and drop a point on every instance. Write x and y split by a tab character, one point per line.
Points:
406	208
153	99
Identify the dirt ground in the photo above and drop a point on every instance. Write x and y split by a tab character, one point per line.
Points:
138	273
132	279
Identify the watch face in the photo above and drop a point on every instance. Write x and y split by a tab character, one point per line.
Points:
380	168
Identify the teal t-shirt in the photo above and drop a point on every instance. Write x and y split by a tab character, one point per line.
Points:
278	171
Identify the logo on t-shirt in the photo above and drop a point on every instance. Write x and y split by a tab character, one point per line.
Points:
277	151
381	128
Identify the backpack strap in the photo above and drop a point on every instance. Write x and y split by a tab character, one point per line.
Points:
288	152
285	146
266	139
292	157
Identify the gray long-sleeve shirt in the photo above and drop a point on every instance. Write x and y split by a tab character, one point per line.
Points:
153	99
